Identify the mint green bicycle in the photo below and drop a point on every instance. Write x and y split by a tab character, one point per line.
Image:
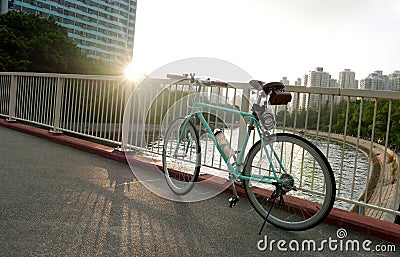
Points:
287	179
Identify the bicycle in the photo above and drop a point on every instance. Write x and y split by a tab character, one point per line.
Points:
278	166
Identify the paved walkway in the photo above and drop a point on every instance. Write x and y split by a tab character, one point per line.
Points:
60	201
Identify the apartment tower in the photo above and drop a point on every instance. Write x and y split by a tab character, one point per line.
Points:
101	29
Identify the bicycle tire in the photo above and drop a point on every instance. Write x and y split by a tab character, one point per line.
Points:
177	169
304	208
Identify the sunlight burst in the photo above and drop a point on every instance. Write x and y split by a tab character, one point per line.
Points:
132	72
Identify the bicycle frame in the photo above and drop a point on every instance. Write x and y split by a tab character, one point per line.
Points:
236	171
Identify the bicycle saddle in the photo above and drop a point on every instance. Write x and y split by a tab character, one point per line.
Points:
267	87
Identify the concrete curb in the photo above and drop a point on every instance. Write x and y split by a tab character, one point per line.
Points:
353	221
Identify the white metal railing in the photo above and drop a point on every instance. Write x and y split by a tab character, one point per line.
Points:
93	106
90	106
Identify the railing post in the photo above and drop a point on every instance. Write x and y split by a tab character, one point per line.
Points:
126	120
361	209
57	110
13	99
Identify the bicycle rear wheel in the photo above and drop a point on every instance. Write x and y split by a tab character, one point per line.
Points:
181	156
309	172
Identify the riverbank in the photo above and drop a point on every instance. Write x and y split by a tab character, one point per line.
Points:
382	181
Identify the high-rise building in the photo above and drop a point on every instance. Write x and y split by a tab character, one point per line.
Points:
394	81
297	82
318	78
285	81
347	79
299	99
303	96
3	6
101	29
305	79
375	81
333	82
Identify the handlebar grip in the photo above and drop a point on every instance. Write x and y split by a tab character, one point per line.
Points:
175	76
219	83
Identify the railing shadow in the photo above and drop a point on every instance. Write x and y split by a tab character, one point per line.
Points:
111	214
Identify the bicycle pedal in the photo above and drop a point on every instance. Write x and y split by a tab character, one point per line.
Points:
233	201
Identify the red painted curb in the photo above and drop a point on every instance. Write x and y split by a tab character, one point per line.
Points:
353	221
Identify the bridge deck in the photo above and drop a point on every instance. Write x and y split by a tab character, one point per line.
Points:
57	200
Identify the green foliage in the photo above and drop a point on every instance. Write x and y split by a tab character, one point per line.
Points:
339	119
33	44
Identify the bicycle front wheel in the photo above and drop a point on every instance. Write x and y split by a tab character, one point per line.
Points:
300	166
181	156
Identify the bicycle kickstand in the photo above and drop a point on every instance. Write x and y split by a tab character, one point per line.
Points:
233	200
269	200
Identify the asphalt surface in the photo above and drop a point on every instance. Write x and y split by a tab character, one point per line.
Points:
60	201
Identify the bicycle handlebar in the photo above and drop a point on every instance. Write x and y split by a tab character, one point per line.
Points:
204	82
219	83
175	76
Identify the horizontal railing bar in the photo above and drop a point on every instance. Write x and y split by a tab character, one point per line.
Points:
375	207
92	137
71	76
313	90
69	131
34	122
394	95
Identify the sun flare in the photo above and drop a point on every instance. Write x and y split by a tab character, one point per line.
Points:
132	72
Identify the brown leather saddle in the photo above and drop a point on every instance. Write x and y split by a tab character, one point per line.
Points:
272	86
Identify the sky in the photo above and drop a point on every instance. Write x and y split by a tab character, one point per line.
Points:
270	39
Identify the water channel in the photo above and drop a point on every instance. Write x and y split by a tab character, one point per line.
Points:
350	179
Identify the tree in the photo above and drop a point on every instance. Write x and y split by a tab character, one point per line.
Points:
13	51
31	43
